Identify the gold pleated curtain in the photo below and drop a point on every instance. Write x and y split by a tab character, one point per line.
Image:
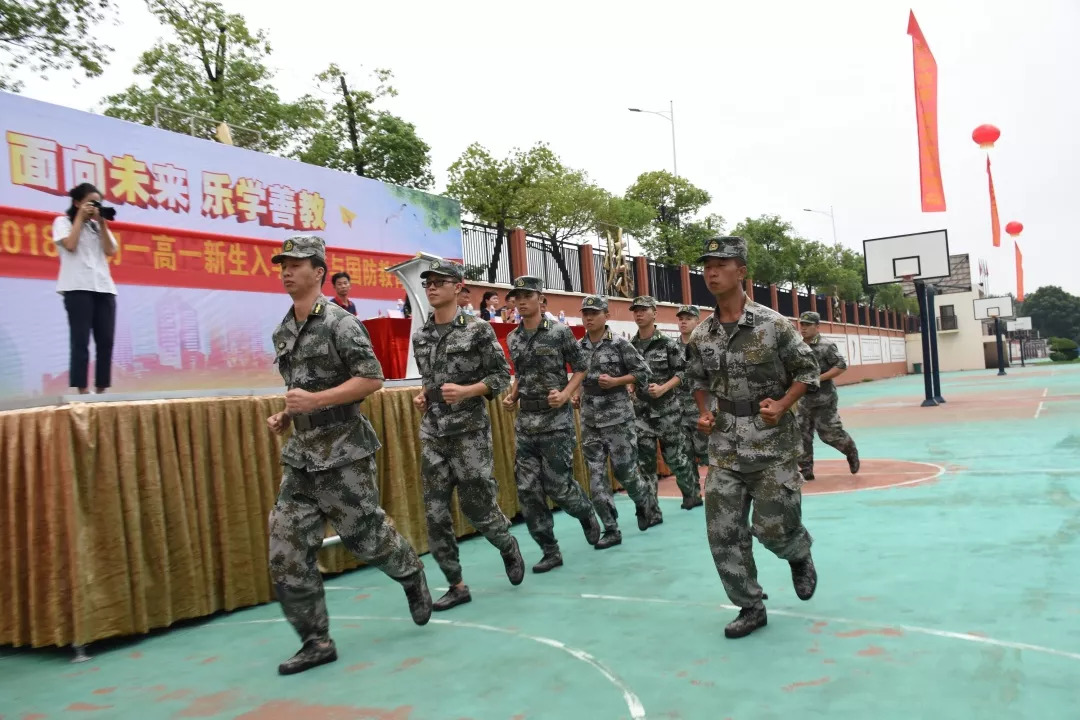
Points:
118	518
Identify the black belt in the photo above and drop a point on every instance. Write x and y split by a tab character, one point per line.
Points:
534	404
330	416
597	390
740	408
434	395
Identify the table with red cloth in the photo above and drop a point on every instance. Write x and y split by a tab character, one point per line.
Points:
390	337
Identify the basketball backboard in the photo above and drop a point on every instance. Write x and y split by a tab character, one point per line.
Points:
989	308
1020	323
922	256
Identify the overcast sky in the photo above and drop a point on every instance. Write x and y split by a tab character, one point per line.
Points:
779	106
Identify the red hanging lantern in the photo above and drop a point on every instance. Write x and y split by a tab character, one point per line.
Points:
1014	228
986	136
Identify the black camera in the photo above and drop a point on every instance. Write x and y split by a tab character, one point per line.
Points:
107	213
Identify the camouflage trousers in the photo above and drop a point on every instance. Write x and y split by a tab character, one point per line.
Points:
820	414
464	462
673	446
619	444
776	496
697	444
349	498
544	467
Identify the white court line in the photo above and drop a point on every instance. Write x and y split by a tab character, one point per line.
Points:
1038	410
967	637
916	481
1045	390
633	703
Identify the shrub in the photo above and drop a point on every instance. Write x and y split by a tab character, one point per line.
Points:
1062	357
1062	345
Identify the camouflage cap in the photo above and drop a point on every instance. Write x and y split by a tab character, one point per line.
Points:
594	302
643	301
810	317
689	310
526	283
301	246
724	247
446	268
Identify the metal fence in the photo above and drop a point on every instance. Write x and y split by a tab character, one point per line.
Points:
665	282
543	260
699	291
478	246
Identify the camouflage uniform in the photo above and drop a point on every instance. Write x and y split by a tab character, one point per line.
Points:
661	418
455	440
605	433
329	463
749	461
544	458
818	411
697	442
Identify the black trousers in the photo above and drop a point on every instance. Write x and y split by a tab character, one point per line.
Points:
90	312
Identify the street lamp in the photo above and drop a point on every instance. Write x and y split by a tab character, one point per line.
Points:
670	117
832	217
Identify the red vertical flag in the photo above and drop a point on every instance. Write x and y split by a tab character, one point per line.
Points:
933	190
1019	273
995	224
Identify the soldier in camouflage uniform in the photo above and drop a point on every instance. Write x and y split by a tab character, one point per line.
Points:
657	405
753	362
818	411
462	365
697	442
544	461
325	358
612	364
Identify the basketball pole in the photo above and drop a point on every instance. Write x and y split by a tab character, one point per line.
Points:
935	375
1000	346
920	294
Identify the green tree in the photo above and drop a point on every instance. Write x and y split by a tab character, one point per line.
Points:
440	213
216	67
45	35
1054	312
773	250
561	206
499	192
354	136
633	217
674	202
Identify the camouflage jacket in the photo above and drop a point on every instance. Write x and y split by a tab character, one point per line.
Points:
540	364
828	357
761	359
689	406
614	356
467	354
664	356
329	348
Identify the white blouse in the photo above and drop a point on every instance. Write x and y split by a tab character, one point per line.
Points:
86	267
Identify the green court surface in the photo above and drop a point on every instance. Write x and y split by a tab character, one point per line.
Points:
955	594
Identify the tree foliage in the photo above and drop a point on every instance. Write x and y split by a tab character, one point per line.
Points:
1053	312
672	236
46	35
353	136
215	66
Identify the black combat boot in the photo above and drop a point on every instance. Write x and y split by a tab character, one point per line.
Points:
657	517
691	502
456	595
804	578
807	474
642	519
611	538
749	620
550	561
853	460
416	591
515	564
591	528
314	653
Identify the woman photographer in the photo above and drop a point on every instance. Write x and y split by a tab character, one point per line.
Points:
84	246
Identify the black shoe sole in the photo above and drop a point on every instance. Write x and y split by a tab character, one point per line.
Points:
436	608
283	670
538	569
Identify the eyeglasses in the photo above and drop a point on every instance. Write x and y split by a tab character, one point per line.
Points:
436	283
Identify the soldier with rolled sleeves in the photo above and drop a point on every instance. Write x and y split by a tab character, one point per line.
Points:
818	411
611	365
544	462
462	365
697	442
657	406
326	360
753	362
